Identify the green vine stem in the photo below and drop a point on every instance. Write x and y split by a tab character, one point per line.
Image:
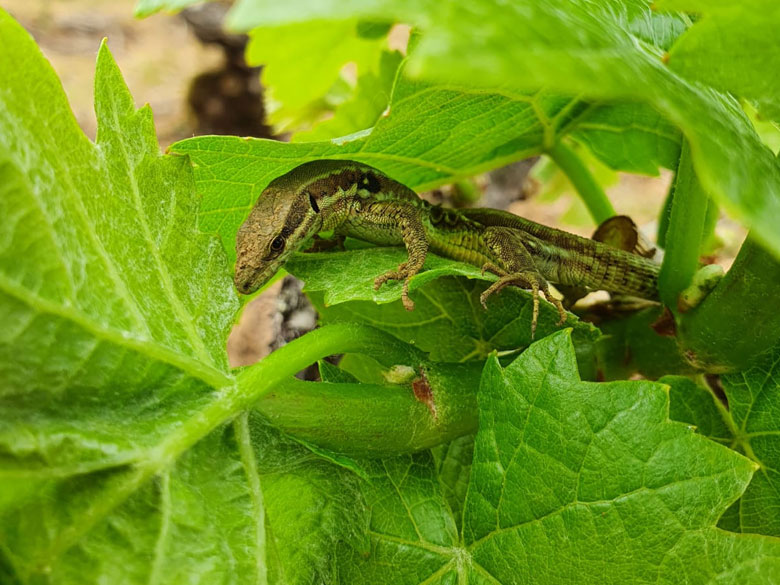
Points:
683	238
365	419
261	378
590	191
371	420
663	217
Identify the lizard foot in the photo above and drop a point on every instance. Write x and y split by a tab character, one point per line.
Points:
527	280
405	273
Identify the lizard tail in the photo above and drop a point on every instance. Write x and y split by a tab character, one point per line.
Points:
624	272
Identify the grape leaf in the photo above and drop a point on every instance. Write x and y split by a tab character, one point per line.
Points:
632	490
598	483
732	46
630	137
107	289
115	311
568	478
448	321
432	135
595	55
301	62
749	425
226	511
609	51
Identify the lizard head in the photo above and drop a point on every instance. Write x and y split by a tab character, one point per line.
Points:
288	213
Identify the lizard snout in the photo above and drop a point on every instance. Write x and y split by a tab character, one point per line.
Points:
244	288
244	280
249	277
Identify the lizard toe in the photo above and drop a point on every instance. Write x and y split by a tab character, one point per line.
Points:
407	302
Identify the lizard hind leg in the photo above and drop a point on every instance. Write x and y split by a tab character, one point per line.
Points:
528	280
521	273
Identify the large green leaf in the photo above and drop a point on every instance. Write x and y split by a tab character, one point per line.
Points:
750	424
600	51
632	491
188	522
302	62
114	307
115	311
579	48
627	137
569	480
448	320
117	460
433	135
225	512
733	46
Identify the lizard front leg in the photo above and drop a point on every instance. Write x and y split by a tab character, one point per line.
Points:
518	269
413	235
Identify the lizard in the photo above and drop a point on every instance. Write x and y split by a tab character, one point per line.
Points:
356	200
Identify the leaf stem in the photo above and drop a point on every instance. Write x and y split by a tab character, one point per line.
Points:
260	378
378	420
684	233
590	191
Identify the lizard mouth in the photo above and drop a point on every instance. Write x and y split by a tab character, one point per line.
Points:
248	278
245	287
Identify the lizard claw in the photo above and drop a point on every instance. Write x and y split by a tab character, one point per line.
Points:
496	286
528	280
558	305
403	273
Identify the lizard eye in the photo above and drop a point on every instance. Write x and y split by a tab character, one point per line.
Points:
277	244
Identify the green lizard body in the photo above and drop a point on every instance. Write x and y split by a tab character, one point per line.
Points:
359	201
